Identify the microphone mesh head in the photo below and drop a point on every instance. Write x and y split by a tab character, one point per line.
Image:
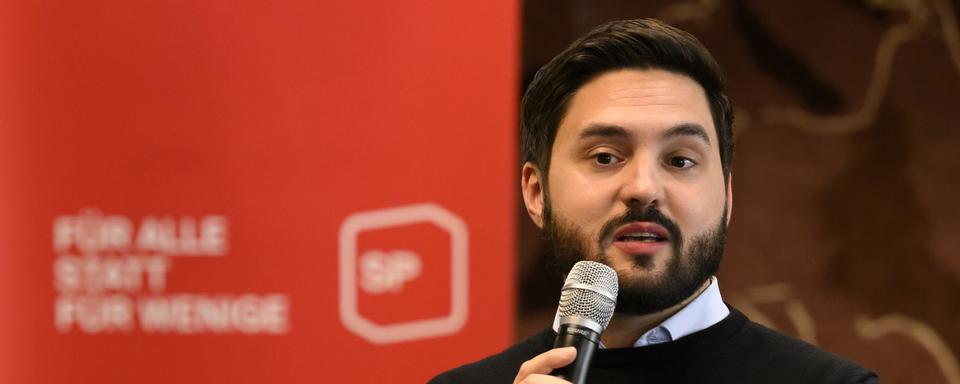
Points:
590	292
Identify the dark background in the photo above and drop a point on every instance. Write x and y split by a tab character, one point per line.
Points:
845	225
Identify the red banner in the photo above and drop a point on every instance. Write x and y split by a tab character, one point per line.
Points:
255	191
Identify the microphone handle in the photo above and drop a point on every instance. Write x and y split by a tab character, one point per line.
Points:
586	341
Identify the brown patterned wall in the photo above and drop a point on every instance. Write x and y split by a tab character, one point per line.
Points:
846	227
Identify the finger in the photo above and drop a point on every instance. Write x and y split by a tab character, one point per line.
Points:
546	362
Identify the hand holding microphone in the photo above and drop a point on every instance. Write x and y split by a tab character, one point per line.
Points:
537	370
587	300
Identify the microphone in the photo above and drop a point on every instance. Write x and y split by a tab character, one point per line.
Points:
587	300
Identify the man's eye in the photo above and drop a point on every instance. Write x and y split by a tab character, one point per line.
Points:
681	162
604	158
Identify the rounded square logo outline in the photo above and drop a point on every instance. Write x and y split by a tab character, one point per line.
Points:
459	284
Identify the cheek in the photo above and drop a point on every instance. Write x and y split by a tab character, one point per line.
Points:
698	211
580	201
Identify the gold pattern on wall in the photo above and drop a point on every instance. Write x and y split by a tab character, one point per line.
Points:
918	331
780	296
802	320
883	67
948	24
918	10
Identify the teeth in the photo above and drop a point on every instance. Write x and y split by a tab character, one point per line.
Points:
642	236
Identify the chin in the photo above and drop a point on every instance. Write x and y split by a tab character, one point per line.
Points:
641	264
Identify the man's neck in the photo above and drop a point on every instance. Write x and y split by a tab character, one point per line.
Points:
624	330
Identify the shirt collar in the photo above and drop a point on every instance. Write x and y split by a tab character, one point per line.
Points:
706	310
701	313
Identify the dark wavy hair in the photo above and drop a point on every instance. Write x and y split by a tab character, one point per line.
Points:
624	44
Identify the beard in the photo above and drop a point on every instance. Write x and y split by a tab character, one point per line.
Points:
686	271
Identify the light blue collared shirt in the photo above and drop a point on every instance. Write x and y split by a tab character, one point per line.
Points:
706	310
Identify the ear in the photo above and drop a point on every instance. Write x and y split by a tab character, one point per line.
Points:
532	188
729	198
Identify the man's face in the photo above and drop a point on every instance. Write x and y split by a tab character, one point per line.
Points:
635	182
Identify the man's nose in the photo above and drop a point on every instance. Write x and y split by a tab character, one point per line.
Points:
641	183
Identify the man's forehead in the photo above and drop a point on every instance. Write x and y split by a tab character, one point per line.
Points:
642	102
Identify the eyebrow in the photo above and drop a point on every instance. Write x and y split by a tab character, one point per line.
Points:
687	129
615	131
606	131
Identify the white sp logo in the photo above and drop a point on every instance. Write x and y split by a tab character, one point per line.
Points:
378	271
382	271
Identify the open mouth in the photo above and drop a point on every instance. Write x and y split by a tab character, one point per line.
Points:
644	237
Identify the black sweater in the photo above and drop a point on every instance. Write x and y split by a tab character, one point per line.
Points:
735	350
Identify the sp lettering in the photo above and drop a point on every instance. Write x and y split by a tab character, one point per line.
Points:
382	271
388	271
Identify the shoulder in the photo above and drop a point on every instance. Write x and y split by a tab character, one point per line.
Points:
501	367
785	356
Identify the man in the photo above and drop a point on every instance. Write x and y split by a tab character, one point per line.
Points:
627	143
